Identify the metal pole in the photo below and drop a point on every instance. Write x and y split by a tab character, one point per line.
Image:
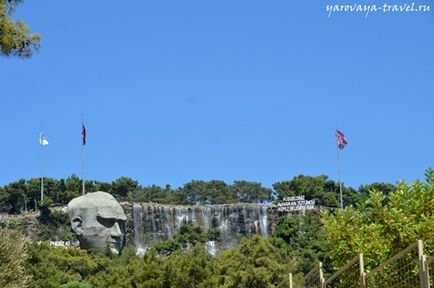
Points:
339	179
290	280
42	172
82	167
321	276
362	271
82	155
424	281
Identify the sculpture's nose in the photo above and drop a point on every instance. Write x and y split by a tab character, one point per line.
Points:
116	230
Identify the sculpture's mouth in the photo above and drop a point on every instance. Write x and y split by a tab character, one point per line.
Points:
114	247
113	243
114	250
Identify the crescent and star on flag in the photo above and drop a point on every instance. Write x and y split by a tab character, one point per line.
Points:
340	139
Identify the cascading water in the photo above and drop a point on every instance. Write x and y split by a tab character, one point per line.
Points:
263	221
154	222
211	248
138	229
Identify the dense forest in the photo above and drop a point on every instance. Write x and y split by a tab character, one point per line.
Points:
23	195
379	220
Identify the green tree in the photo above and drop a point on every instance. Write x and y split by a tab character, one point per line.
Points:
218	192
33	192
152	193
15	38
385	188
12	260
76	284
251	192
103	186
45	212
53	189
188	269
305	240
16	196
196	192
254	263
4	205
52	267
122	186
73	187
323	190
211	192
147	272
383	225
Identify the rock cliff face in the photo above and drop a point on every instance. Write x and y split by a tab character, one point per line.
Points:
148	223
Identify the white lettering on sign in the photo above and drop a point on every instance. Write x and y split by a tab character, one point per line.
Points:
295	203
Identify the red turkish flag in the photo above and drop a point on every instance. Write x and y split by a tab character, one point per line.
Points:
340	139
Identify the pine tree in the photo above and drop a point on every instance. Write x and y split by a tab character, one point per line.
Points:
12	259
14	36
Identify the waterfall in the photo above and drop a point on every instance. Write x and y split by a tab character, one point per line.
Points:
263	221
153	222
206	217
138	229
211	248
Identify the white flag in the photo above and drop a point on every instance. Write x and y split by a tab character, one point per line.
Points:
42	140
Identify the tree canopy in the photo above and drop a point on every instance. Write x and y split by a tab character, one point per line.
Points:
385	220
15	37
256	262
383	224
324	190
12	259
19	196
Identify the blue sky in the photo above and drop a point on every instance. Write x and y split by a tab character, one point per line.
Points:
172	91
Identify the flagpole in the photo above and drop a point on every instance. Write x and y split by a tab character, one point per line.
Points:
42	169
82	156
82	167
339	177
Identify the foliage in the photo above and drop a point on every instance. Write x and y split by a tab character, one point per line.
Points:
53	224
385	188
305	239
3	200
22	195
76	284
14	36
188	269
122	186
72	187
58	218
54	266
320	188
201	192
152	193
251	192
188	235
383	225
45	212
12	260
254	263
14	197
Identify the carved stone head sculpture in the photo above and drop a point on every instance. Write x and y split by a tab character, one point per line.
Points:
98	220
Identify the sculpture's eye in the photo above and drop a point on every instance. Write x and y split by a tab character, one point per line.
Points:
107	222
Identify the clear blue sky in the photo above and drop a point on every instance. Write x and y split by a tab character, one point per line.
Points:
173	91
